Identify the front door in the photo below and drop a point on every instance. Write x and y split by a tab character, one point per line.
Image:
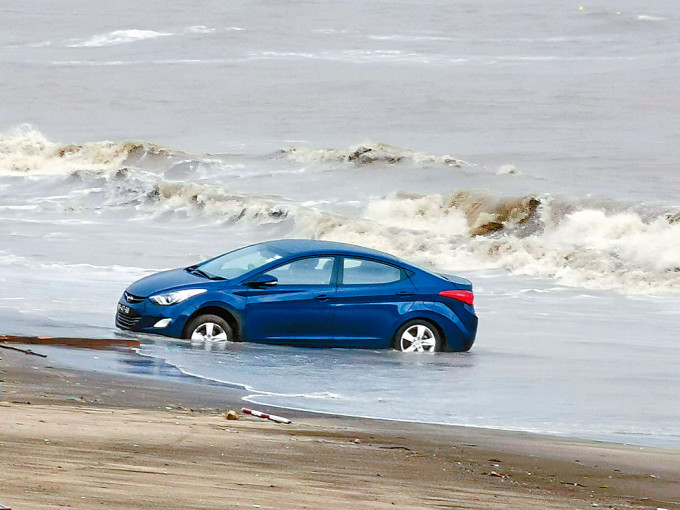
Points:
297	309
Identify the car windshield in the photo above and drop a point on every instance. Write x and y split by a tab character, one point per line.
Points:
237	263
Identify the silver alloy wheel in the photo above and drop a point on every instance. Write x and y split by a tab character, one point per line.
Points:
209	332
418	338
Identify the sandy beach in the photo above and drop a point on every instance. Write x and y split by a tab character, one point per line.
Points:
87	440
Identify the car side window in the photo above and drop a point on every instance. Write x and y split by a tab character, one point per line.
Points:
369	272
309	271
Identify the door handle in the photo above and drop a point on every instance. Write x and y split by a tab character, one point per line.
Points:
323	297
403	293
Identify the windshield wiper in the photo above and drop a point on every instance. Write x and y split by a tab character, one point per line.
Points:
200	272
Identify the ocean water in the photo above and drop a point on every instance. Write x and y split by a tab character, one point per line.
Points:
531	147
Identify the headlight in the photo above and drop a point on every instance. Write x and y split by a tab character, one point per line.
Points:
178	296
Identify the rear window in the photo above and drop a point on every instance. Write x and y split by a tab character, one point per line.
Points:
369	272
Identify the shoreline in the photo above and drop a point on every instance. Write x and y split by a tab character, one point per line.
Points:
250	394
481	468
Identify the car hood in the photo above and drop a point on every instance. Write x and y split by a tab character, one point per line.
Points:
166	280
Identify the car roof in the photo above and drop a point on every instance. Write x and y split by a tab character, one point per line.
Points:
313	246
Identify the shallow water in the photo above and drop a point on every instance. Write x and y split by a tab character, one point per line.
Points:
529	147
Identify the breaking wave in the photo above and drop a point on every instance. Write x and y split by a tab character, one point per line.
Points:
596	245
369	153
26	151
216	201
589	243
581	244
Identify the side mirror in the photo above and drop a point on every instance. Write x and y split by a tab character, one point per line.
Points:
263	280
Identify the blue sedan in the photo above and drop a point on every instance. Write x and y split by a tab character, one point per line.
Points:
307	293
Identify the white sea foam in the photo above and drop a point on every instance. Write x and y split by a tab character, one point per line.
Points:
427	213
648	17
19	207
95	63
582	243
330	31
116	37
508	170
367	153
200	29
207	200
409	38
585	248
10	259
318	395
352	56
25	151
69	269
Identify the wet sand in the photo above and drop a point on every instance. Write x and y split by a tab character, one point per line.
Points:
89	440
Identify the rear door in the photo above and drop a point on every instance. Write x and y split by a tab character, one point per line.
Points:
370	300
297	310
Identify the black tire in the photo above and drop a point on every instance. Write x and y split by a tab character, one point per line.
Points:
425	334
210	328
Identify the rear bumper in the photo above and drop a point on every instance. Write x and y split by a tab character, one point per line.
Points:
460	339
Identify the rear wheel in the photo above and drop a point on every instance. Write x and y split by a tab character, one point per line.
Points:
418	336
209	328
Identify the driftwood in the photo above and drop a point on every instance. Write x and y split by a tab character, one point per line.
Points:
25	351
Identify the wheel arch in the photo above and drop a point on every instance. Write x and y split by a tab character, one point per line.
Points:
226	314
425	318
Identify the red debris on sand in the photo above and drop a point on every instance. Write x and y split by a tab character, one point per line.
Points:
259	414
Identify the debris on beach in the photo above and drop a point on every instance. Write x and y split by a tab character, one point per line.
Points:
271	417
89	343
25	351
574	484
231	415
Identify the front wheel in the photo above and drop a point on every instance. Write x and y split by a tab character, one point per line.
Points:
418	336
208	328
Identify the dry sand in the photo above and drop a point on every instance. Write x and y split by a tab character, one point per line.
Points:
86	440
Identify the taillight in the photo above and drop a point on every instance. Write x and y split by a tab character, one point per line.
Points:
465	296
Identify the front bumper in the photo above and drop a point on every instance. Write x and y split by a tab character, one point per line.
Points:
134	322
144	317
